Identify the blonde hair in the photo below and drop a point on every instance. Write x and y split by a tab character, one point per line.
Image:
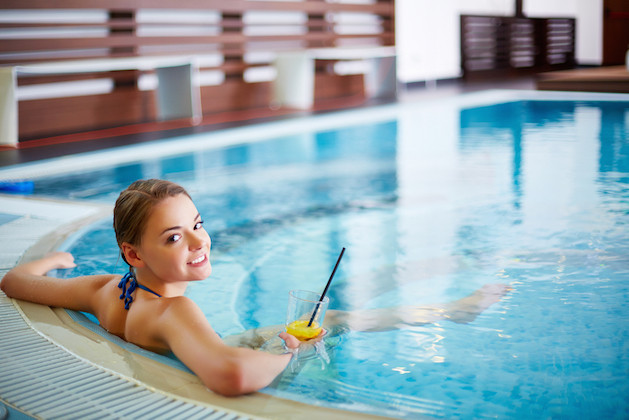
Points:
135	204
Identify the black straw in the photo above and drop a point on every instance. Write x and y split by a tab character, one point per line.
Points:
326	287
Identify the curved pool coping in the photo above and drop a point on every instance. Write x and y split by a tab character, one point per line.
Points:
62	332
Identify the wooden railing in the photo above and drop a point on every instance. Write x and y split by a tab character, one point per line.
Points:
234	42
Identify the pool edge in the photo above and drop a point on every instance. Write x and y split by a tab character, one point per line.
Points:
60	331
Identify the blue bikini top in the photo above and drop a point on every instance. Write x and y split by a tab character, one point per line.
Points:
128	291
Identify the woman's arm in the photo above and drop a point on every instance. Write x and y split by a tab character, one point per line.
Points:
226	370
29	282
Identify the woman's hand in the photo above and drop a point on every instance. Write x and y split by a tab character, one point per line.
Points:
305	350
60	260
290	341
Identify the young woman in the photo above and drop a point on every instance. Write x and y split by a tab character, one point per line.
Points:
161	236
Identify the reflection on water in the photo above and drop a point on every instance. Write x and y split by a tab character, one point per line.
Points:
430	206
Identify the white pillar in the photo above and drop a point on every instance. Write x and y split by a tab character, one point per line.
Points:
294	80
8	106
178	93
381	79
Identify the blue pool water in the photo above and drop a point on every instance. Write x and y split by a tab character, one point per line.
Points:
431	205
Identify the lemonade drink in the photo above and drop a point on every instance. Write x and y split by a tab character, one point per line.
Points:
305	307
302	331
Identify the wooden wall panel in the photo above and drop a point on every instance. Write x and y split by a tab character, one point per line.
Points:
235	95
47	117
120	31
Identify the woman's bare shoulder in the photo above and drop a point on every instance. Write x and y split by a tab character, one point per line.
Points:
178	308
160	312
100	280
99	286
180	315
155	323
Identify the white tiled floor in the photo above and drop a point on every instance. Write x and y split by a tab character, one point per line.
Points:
36	219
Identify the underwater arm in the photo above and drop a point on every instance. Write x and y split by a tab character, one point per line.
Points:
253	338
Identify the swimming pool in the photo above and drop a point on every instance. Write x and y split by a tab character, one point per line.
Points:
432	201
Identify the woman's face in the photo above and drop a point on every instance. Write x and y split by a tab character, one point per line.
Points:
175	246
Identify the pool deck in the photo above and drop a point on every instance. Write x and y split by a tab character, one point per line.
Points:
82	142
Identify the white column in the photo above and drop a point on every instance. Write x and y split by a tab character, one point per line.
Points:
8	106
381	78
178	93
294	81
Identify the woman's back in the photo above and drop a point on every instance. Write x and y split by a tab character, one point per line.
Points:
136	323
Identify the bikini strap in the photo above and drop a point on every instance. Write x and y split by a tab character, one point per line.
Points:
147	289
127	292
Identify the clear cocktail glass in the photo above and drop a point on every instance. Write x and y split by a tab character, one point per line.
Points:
305	314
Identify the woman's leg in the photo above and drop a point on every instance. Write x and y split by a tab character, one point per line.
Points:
464	310
336	322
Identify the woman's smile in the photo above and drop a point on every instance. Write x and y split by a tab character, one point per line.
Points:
199	260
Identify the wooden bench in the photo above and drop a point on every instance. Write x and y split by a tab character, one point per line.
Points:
177	94
221	53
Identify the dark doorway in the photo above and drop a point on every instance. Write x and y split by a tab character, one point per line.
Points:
615	31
